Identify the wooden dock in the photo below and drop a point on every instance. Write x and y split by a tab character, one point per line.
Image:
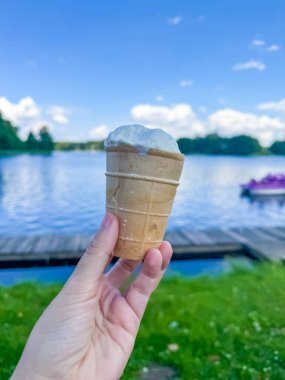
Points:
259	243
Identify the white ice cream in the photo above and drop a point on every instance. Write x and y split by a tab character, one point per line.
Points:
142	139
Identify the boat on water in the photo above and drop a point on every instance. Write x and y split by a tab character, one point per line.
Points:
272	184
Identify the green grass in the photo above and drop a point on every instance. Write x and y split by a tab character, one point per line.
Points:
228	327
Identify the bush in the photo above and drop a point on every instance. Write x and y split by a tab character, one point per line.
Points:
214	144
278	148
9	140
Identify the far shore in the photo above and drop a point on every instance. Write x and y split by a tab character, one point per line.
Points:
6	153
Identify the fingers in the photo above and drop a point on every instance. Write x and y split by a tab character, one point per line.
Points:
124	268
97	255
166	251
121	271
152	270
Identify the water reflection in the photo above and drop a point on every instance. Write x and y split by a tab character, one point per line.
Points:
65	193
265	200
1	185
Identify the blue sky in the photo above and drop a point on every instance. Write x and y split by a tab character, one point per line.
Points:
189	67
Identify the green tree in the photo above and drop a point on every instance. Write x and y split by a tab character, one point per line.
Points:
244	145
9	140
186	145
211	144
90	145
214	144
95	145
278	147
45	142
32	143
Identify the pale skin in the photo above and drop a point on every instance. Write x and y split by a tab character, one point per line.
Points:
88	331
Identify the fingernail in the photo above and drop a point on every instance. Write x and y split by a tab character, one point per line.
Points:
107	221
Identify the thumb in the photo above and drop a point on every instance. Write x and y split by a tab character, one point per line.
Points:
92	264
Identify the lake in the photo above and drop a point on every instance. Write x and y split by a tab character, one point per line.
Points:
189	268
64	193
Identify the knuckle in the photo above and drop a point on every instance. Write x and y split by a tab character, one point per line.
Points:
95	246
142	291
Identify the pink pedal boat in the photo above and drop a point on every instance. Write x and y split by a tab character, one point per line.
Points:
272	184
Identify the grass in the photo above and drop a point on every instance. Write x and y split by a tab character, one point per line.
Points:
229	327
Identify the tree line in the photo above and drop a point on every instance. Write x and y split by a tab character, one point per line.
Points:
238	145
10	141
211	144
89	145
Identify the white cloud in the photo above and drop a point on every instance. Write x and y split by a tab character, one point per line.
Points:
59	115
25	109
251	64
186	83
229	122
278	106
36	126
174	20
159	98
261	44
100	132
29	116
258	42
273	48
179	120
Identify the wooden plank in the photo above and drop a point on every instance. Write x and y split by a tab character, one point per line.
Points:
262	243
176	237
219	236
282	231
52	244
15	245
59	243
84	241
76	243
64	244
9	244
166	235
42	244
267	250
273	231
25	245
207	251
262	234
251	234
198	237
3	244
65	256
66	248
244	235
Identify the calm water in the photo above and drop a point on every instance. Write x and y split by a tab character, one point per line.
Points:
210	267
65	193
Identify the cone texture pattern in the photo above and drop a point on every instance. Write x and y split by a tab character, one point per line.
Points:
140	191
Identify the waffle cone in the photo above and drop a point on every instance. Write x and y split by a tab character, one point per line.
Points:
140	191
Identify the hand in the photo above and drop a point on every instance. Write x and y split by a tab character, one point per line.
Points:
89	329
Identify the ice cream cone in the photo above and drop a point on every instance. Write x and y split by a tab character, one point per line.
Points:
140	192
